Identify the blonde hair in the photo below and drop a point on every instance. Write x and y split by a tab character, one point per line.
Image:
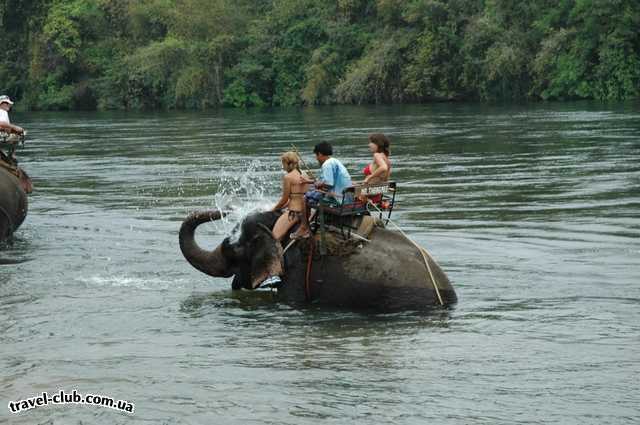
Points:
290	161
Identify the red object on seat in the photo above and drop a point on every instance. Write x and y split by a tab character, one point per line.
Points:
376	198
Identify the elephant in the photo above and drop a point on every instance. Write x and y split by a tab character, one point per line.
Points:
13	203
386	272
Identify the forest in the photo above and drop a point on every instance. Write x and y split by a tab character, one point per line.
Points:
199	54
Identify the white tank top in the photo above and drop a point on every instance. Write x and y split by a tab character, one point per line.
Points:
4	116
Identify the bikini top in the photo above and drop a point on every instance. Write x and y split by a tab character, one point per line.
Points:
368	171
298	193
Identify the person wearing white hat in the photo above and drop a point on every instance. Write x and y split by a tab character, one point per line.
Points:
5	123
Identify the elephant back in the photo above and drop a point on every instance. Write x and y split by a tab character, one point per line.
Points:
388	272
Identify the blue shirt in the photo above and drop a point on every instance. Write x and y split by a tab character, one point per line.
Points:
336	176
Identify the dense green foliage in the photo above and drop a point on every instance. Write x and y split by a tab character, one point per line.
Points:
138	54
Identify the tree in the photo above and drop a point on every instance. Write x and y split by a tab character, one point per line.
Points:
137	54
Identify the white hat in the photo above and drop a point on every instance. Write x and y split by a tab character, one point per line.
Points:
5	98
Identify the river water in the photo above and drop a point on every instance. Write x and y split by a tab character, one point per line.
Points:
533	211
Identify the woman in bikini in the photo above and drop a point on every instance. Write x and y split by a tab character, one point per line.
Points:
379	170
292	196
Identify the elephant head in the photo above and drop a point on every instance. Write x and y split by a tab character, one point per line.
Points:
251	259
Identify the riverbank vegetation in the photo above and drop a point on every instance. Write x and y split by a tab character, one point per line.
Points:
149	54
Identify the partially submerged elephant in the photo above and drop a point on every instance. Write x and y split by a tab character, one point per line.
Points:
13	203
387	273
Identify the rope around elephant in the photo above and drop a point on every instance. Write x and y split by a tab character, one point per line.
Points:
423	253
420	249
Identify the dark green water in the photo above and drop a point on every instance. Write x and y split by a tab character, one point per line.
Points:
533	211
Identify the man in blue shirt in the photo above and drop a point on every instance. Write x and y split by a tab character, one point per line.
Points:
333	180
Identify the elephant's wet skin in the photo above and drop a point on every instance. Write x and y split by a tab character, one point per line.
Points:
387	273
13	204
256	255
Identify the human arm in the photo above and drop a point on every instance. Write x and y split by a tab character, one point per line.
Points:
11	128
286	191
381	167
328	176
305	180
318	184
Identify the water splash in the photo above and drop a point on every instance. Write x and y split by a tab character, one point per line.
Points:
144	283
241	193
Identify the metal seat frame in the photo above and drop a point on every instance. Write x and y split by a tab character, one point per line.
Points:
8	145
356	201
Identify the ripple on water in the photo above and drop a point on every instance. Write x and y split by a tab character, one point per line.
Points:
531	210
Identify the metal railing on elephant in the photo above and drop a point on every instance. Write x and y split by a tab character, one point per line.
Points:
355	201
9	142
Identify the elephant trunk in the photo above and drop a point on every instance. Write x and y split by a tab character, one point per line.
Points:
213	262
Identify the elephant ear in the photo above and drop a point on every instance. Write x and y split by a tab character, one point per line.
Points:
266	258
